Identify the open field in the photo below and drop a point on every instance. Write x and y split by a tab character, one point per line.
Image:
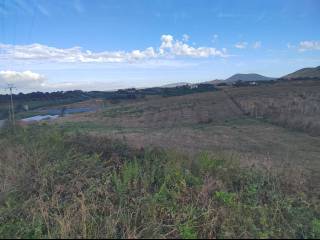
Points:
57	185
294	105
200	165
216	122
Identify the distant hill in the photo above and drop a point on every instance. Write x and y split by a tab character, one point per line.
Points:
248	77
216	81
172	85
304	73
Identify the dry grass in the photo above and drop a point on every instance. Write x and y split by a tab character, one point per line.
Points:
211	122
158	112
292	105
62	186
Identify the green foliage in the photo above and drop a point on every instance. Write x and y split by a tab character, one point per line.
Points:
183	90
57	185
316	228
209	164
187	231
226	198
172	188
127	180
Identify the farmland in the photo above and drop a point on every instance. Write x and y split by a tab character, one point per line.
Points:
221	122
237	161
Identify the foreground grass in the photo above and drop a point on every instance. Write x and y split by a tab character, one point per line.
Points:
57	185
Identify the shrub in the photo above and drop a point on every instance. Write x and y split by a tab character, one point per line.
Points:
55	185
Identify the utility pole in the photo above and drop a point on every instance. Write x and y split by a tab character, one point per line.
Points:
11	106
9	112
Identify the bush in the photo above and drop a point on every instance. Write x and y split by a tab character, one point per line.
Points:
55	185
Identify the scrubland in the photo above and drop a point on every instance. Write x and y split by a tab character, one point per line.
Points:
218	122
235	163
60	185
292	105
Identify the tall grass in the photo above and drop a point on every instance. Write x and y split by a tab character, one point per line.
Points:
295	109
54	185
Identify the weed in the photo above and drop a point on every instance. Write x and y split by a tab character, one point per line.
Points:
58	185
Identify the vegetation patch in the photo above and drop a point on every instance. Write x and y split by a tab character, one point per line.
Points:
123	111
57	185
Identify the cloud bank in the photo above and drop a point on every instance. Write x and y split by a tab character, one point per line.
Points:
28	81
169	48
25	80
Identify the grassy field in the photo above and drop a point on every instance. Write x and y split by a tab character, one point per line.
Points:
212	122
293	105
60	185
202	165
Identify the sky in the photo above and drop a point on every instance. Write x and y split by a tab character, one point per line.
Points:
50	45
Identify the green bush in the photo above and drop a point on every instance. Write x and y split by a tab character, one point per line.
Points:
57	185
316	228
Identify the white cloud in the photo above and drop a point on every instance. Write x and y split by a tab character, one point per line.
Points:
241	45
75	54
166	41
257	45
309	45
137	54
172	47
169	48
25	80
28	81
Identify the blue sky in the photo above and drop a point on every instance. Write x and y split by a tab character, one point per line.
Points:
51	45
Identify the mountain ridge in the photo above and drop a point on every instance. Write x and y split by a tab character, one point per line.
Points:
310	72
248	77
